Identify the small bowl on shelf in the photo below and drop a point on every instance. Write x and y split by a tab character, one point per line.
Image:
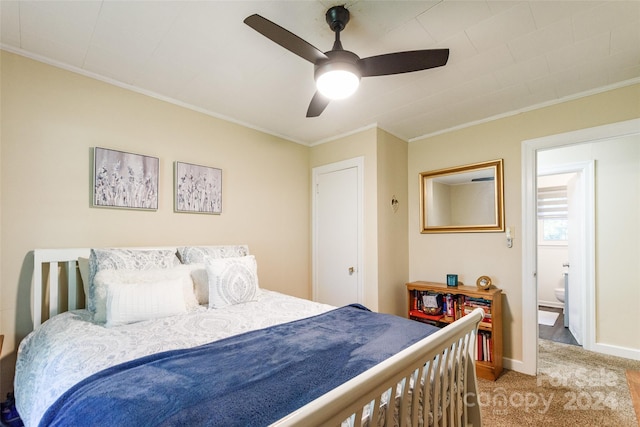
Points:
432	311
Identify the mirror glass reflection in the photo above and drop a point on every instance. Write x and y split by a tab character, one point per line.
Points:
463	199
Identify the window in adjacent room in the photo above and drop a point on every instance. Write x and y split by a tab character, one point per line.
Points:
553	218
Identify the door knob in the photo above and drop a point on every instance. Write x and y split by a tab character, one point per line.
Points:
351	270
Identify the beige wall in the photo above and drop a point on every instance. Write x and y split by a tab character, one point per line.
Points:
385	242
50	120
432	256
393	241
361	144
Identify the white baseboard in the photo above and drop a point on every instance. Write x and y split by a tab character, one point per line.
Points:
515	365
614	350
554	304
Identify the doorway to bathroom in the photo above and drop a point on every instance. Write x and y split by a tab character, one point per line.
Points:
559	210
615	150
565	244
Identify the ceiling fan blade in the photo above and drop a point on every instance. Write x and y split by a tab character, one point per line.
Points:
403	62
317	105
285	38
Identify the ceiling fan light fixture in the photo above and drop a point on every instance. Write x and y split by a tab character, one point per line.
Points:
338	71
337	84
339	77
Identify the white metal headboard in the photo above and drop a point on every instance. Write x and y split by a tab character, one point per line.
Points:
54	259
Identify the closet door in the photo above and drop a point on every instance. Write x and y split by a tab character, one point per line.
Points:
337	232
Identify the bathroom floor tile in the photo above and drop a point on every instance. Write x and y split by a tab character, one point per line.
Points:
557	332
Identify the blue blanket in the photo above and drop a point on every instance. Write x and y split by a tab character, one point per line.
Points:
251	379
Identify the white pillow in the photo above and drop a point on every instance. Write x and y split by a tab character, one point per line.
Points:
127	303
200	282
104	278
126	259
232	280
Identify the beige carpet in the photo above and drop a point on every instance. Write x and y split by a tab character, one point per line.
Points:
574	387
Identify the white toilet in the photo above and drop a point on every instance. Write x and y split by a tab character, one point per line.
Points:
559	294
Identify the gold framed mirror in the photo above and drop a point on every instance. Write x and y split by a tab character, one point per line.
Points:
463	199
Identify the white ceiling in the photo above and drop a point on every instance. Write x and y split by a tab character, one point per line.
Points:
506	56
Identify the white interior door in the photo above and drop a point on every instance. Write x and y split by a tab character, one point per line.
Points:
576	240
337	231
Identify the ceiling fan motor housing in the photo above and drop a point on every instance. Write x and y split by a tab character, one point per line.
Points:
338	60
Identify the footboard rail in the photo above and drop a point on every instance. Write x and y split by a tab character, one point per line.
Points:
439	370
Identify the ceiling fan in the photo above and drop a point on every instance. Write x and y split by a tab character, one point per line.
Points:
343	64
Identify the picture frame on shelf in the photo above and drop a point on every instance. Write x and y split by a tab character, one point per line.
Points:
197	189
124	180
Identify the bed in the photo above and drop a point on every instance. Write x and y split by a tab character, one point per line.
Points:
185	336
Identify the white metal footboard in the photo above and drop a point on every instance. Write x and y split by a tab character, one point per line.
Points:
441	365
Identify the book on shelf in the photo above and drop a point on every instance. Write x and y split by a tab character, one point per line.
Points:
472	303
422	315
453	306
485	346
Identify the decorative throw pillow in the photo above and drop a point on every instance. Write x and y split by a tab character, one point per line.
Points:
129	259
195	257
127	303
232	280
132	278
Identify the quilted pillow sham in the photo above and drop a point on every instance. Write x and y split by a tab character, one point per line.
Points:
149	278
126	303
198	254
232	280
129	259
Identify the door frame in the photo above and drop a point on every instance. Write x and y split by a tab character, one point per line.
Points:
358	163
529	226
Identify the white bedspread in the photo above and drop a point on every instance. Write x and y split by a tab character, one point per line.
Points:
69	347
